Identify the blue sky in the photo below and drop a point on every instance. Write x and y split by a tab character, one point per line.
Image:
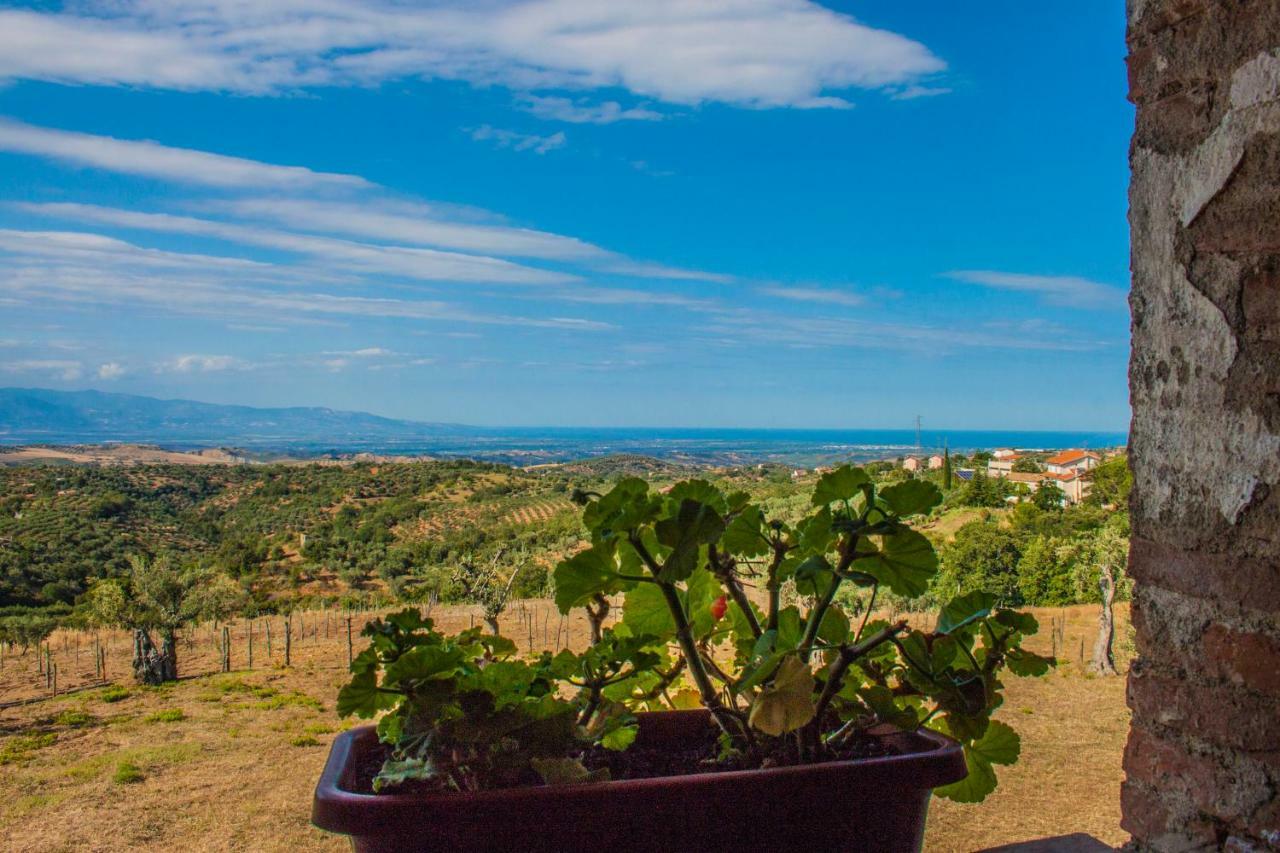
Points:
766	213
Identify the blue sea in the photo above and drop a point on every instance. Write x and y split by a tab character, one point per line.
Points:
535	445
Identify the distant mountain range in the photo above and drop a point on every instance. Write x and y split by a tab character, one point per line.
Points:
38	415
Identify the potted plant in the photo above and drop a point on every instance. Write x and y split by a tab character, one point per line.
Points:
808	725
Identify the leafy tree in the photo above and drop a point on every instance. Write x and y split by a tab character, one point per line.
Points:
162	596
1027	465
1046	576
981	491
1112	481
1049	496
982	557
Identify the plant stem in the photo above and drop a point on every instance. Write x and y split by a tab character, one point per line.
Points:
775	586
689	649
819	611
724	571
849	654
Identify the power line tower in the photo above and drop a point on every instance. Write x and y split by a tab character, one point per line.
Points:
919	446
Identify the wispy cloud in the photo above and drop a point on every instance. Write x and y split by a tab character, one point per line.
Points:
517	141
407	222
67	371
153	160
409	262
814	294
111	370
445	242
910	93
761	53
1065	291
584	112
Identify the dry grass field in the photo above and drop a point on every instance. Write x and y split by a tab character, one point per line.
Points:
227	761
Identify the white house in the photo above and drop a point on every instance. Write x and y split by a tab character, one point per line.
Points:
1069	461
1003	466
1005	453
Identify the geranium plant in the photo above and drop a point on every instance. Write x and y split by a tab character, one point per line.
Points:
703	575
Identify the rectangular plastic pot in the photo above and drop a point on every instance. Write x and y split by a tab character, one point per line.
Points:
868	804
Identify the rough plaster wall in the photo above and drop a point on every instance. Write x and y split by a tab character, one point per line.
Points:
1203	759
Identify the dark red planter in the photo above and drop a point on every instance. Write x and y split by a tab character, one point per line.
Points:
872	804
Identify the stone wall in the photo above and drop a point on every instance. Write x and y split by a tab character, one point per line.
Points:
1203	758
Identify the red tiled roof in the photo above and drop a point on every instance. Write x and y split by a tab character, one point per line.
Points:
1066	457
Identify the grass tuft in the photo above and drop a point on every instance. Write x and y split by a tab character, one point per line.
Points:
127	773
168	715
115	693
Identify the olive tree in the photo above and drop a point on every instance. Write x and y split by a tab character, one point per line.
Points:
162	596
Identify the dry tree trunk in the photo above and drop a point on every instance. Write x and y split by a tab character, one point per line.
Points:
1103	662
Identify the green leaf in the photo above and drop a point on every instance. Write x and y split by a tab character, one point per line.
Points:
815	534
911	497
620	738
422	663
905	563
408	620
998	745
698	491
787	703
584	575
1023	623
694	525
362	697
397	772
965	610
745	534
839	485
835	627
645	611
701	591
1025	663
814	576
566	771
627	506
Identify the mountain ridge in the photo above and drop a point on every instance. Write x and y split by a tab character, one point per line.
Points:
45	415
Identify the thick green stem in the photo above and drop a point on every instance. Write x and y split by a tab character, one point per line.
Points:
849	654
775	585
689	650
724	571
819	611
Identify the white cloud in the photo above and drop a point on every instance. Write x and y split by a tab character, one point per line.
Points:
816	294
1066	291
416	263
470	235
401	222
203	364
225	297
762	53
517	141
910	93
153	160
581	112
111	370
68	371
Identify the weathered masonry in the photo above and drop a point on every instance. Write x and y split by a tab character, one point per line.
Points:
1203	758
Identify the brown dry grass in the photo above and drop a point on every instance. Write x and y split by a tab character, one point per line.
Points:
237	771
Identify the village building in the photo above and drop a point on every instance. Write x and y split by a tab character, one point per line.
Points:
1074	460
935	462
1003	466
1005	453
912	463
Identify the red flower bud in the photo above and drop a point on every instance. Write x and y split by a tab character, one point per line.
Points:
718	607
